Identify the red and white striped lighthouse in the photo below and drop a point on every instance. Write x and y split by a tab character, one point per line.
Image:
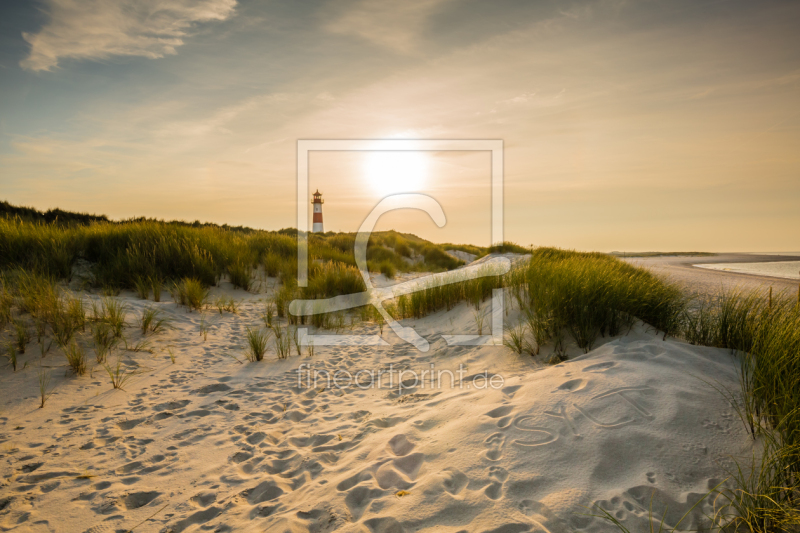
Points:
317	202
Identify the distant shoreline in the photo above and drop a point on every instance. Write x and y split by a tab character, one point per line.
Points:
708	281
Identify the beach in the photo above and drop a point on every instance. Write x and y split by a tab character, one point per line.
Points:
708	281
201	439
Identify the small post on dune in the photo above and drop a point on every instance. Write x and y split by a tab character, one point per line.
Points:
770	296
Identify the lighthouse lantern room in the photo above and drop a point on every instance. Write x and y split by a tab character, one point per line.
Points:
317	203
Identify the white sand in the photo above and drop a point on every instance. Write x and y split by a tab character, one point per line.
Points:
211	444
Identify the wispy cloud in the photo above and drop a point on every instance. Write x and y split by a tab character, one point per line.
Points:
393	25
98	29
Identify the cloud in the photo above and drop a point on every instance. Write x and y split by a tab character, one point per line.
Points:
393	25
98	29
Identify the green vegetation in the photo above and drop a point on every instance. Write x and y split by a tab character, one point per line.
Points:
76	358
765	332
257	343
190	292
388	270
589	295
44	386
104	341
51	216
283	341
11	355
140	254
152	321
561	294
119	374
112	313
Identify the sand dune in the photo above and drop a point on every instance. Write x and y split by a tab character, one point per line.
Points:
208	443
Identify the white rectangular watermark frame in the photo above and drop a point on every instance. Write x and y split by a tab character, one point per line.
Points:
306	146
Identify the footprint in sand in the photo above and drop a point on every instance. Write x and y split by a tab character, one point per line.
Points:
495	443
494	491
572	385
139	499
400	445
388	478
600	367
500	414
454	480
359	498
501	411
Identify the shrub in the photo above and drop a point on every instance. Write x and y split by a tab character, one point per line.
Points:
190	292
388	269
240	275
272	265
592	294
507	247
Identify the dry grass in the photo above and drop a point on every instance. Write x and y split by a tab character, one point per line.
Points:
119	374
190	292
76	358
257	340
152	321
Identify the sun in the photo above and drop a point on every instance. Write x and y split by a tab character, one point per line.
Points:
393	172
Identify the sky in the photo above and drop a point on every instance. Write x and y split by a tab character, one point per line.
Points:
666	125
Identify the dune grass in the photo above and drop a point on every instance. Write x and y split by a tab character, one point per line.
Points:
283	341
190	292
11	355
104	341
44	387
764	330
515	339
143	254
112	313
257	340
591	295
152	321
76	357
241	274
387	269
119	374
560	293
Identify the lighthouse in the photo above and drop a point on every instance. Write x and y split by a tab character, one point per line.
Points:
317	202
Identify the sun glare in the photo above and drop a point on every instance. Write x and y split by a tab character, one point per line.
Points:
396	172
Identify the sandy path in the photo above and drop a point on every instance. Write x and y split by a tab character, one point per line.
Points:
211	444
